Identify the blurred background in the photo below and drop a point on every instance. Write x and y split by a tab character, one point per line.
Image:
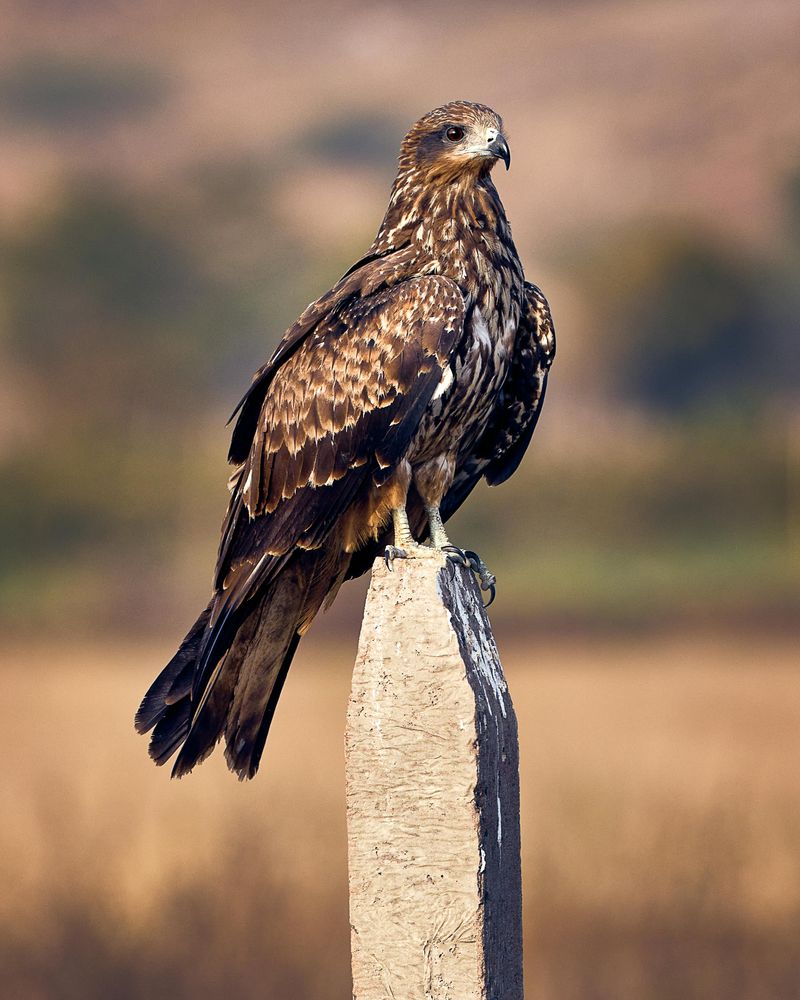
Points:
177	181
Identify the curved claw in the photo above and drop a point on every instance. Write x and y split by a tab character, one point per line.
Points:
456	555
475	563
391	553
472	561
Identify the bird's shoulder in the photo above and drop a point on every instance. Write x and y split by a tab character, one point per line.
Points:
360	358
383	290
352	392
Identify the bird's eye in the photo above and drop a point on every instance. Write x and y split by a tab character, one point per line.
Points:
455	133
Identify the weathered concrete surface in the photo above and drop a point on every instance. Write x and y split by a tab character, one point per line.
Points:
432	795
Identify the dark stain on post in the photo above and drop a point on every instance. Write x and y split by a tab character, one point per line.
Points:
497	788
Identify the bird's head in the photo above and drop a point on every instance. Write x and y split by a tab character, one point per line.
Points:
460	140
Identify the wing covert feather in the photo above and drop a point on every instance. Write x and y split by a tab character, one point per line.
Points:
343	406
363	280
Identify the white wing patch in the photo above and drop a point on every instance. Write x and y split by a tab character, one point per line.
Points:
444	384
480	330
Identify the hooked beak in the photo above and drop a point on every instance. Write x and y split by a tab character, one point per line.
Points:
499	147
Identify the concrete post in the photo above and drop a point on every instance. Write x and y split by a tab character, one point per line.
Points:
432	766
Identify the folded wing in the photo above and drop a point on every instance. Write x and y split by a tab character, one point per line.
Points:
516	413
341	407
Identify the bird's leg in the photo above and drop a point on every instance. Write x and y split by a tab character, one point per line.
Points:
404	541
462	557
438	539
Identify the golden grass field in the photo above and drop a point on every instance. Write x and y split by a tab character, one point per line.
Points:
661	826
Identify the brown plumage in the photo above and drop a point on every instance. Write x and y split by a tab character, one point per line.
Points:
422	370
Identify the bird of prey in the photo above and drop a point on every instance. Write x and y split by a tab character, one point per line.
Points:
420	372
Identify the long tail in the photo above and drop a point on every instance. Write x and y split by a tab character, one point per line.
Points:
238	700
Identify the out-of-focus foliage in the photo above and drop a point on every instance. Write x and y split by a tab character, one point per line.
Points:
132	334
49	89
107	311
355	139
692	324
156	268
117	328
671	534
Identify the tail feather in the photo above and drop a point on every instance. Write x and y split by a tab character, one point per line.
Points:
170	731
171	684
265	663
240	695
245	746
207	722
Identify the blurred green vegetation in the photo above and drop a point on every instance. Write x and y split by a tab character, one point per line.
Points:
367	138
101	300
136	317
699	529
50	89
695	327
696	512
